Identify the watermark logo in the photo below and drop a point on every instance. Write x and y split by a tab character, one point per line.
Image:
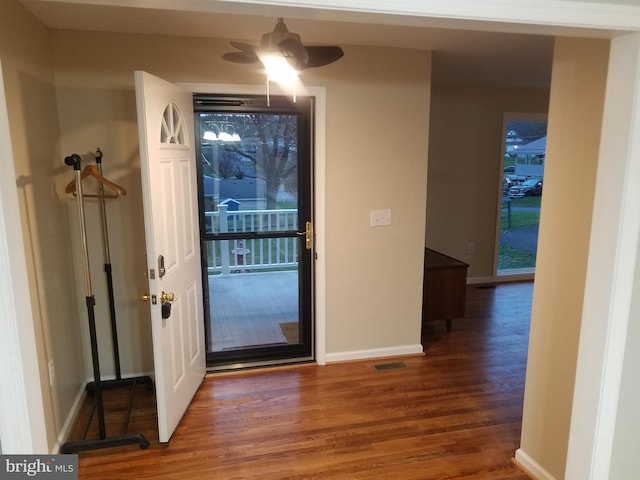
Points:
51	467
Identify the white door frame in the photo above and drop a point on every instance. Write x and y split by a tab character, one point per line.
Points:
319	214
22	424
522	274
611	270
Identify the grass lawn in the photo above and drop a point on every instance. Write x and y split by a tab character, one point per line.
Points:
510	258
530	202
520	218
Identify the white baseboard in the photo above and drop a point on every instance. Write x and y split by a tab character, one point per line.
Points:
374	353
531	467
72	417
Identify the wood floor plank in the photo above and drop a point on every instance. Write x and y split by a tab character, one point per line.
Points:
454	413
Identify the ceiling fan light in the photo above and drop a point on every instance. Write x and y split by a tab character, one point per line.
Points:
278	69
230	134
225	133
210	135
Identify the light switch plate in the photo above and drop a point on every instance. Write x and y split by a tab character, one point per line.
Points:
380	218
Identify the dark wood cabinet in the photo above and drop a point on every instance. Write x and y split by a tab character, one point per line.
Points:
444	289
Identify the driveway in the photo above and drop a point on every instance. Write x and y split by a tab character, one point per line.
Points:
525	239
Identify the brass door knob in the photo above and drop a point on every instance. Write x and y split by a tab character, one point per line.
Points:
146	297
166	297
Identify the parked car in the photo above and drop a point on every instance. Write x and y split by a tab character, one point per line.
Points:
533	186
511	180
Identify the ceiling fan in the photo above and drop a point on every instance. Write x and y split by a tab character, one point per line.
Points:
290	45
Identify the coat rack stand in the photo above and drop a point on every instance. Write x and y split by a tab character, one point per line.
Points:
98	385
118	381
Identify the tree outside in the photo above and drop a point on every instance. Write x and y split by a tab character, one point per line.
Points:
267	150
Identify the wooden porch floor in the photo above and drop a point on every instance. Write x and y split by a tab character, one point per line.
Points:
247	309
454	413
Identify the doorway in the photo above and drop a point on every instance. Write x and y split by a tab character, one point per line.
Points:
256	199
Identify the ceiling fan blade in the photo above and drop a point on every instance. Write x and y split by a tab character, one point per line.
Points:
247	53
294	49
323	55
241	57
245	47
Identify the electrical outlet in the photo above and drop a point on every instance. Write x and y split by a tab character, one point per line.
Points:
380	218
52	373
471	248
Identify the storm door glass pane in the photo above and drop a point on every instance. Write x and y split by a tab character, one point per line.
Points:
251	224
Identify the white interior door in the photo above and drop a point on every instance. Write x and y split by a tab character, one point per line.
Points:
167	157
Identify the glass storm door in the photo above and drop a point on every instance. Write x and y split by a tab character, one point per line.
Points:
256	228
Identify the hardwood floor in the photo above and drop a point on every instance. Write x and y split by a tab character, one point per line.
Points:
454	413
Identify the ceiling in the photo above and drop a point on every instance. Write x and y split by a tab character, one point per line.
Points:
463	52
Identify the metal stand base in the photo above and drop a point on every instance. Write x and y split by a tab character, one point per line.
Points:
120	382
114	441
117	441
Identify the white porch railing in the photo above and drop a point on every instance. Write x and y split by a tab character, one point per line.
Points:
243	255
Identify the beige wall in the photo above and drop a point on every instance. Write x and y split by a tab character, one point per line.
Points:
30	91
575	113
464	167
377	134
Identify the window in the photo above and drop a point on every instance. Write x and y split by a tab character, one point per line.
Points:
522	179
